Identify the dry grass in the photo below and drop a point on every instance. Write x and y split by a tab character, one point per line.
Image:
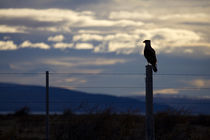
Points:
105	125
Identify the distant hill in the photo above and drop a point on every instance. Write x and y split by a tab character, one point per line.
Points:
193	105
15	96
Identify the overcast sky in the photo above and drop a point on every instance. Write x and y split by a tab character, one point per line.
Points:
105	36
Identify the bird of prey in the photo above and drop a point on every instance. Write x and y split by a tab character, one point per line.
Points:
149	54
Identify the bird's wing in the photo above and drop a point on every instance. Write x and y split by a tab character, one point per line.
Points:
152	51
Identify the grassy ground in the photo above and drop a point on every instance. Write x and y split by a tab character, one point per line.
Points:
104	126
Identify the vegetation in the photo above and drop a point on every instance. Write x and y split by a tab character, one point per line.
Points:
22	112
105	125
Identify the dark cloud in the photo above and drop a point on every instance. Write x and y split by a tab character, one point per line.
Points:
28	22
158	37
47	3
197	23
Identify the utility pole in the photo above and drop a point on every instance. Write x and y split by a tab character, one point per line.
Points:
149	104
47	105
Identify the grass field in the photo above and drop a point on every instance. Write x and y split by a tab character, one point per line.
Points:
106	125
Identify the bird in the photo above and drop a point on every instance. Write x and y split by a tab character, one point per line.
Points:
149	54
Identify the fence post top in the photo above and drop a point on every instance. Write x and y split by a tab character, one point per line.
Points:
148	65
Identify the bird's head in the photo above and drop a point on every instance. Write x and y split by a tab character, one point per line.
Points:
146	41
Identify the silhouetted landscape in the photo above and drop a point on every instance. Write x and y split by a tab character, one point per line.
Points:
78	115
104	125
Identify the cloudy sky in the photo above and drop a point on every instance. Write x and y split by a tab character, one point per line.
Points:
104	38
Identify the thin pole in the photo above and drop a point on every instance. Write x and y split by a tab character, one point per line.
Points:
149	104
47	105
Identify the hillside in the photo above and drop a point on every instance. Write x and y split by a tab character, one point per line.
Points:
14	96
192	105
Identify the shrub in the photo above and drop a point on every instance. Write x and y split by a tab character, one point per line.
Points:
22	112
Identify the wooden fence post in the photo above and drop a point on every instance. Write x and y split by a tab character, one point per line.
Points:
47	105
149	104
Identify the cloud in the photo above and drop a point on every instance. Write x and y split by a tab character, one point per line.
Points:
170	36
121	47
164	40
62	18
200	83
84	46
12	29
87	37
58	19
58	63
119	43
57	38
122	37
28	44
167	40
202	17
166	91
78	61
130	15
75	80
7	45
90	32
124	23
190	51
92	22
23	66
56	29
114	30
39	15
62	46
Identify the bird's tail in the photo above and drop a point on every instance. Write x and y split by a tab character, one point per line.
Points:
154	67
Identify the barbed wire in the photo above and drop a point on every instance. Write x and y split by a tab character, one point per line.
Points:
112	87
182	74
185	88
21	73
98	74
31	102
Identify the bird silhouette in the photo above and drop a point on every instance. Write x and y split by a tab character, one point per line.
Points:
149	54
